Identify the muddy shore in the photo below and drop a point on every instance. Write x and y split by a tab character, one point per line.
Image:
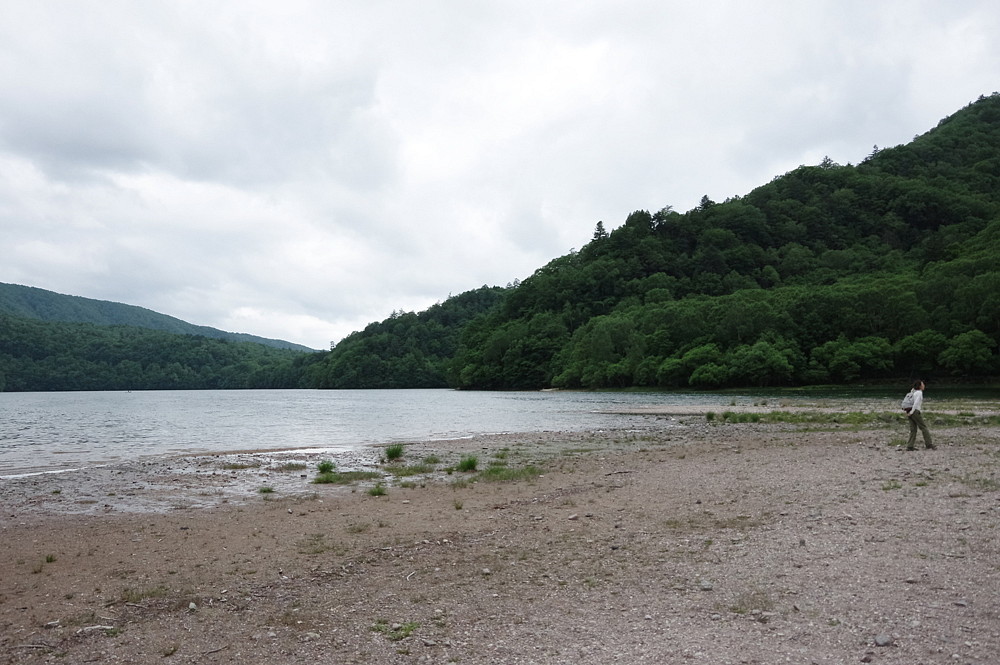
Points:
679	539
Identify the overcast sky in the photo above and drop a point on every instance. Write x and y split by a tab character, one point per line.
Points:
300	169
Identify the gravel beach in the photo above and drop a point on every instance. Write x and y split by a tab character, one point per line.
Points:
684	538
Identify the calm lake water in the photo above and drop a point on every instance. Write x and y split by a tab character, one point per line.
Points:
60	431
71	430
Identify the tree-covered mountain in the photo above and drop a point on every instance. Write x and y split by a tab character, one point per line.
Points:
829	273
34	303
37	355
407	350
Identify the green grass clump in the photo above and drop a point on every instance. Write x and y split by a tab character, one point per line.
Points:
266	490
396	631
394	452
432	459
504	474
326	466
468	463
378	490
292	466
344	477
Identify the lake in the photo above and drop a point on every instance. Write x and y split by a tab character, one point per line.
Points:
46	432
71	430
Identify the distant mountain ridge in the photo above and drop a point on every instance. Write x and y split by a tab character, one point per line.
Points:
35	303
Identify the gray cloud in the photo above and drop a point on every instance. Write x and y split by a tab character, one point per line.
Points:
302	169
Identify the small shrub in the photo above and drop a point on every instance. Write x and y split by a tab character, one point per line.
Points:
710	416
326	466
266	490
468	463
394	452
432	459
378	490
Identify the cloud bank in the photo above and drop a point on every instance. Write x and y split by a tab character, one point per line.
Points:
300	169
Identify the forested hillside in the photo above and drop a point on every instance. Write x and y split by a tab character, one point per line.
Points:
829	273
406	350
41	356
889	269
34	303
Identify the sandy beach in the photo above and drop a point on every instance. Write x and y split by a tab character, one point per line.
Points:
679	539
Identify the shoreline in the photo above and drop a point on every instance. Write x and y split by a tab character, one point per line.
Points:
67	454
667	542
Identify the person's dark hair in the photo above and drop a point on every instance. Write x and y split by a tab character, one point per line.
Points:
917	384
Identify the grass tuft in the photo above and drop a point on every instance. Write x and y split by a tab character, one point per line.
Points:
139	595
412	470
468	463
395	631
344	477
505	474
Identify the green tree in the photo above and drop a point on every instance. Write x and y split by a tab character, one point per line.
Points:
760	364
969	353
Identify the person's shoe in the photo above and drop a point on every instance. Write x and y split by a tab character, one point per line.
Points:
910	448
931	447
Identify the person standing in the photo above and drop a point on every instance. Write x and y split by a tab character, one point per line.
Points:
916	419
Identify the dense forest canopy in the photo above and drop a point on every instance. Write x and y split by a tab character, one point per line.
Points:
40	356
828	274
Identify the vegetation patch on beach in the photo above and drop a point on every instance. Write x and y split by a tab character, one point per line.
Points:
859	418
344	477
395	631
411	470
